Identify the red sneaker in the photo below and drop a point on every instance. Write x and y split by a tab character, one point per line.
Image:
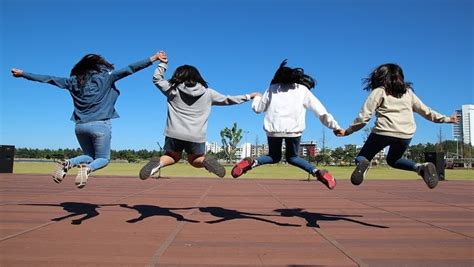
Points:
242	167
326	178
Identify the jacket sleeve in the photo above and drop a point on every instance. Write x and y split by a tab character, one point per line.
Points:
427	113
130	69
367	110
158	78
64	83
222	100
313	104
260	103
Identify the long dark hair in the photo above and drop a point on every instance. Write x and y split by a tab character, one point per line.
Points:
390	77
287	75
89	63
188	75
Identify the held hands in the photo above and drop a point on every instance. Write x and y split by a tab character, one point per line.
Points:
17	72
254	94
340	132
161	56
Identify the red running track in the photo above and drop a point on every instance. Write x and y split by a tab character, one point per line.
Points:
123	221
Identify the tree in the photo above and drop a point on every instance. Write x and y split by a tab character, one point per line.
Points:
230	139
323	157
350	152
338	154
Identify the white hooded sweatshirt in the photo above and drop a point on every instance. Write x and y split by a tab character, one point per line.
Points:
285	110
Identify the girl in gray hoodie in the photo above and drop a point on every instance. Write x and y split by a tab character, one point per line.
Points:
189	106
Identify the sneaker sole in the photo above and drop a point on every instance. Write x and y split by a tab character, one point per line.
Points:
146	171
430	176
57	176
58	180
213	166
237	174
358	174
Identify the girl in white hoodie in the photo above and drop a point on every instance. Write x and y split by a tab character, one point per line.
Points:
285	103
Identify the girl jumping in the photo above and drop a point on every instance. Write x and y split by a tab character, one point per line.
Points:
92	88
189	106
393	101
285	103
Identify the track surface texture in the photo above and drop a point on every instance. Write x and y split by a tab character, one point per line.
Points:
178	221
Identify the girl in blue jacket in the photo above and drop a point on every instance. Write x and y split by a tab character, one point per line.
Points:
92	88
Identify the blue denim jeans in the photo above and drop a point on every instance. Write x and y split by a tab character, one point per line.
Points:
375	143
94	138
291	154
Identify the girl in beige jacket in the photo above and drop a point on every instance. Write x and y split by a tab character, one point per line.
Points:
393	101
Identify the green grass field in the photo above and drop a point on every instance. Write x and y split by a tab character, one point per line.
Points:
278	171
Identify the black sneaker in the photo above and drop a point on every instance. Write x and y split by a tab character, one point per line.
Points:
358	174
213	166
152	167
428	172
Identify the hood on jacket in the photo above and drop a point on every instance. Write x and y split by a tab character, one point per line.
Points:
194	91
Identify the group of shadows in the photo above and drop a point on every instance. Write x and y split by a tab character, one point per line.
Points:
88	211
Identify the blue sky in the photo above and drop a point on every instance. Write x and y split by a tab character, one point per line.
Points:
237	46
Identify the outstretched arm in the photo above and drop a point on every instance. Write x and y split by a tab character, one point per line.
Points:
366	112
317	108
429	114
132	68
222	100
159	74
60	82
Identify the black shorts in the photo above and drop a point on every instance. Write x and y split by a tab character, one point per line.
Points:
191	148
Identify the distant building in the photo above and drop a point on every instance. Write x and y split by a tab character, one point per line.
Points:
308	148
463	130
457	127
245	151
213	147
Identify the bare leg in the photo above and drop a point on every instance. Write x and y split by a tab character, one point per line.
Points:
196	160
156	164
170	158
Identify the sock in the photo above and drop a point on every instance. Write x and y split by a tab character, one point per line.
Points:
419	168
255	163
156	169
67	165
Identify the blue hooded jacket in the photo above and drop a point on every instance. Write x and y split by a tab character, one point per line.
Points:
95	100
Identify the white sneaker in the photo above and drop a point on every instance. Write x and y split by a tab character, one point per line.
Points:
61	170
82	175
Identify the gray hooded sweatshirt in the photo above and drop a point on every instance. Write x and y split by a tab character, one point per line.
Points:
189	107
